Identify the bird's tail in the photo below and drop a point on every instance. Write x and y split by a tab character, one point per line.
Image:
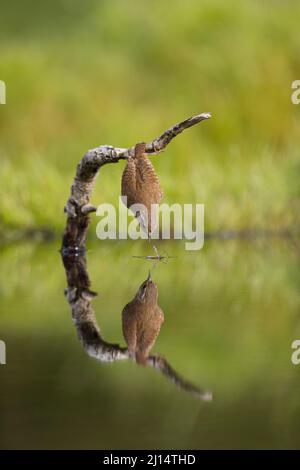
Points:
139	149
141	358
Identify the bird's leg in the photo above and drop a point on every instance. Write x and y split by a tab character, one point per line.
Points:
157	255
156	252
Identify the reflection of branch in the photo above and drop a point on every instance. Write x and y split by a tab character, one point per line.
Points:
161	364
80	297
78	206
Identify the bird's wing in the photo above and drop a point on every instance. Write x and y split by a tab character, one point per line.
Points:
148	328
129	325
128	185
147	180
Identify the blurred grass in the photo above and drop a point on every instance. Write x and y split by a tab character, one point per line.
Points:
80	75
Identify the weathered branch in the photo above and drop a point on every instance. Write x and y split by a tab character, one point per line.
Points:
158	144
80	297
78	206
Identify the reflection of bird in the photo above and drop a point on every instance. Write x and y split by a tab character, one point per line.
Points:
140	184
142	319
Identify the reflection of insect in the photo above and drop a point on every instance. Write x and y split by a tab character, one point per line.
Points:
164	257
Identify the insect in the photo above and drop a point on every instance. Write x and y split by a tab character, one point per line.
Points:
164	257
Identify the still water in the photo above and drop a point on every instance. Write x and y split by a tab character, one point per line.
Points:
231	312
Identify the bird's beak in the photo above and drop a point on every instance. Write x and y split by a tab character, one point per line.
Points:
149	277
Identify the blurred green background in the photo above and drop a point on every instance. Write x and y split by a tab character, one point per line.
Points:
82	74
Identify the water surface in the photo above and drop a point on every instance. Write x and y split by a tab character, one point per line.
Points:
231	314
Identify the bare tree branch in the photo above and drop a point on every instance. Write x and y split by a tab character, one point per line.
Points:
78	206
158	144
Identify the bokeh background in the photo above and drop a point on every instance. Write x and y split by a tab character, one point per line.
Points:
81	74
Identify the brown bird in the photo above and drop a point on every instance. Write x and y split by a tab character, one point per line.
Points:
140	184
141	321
